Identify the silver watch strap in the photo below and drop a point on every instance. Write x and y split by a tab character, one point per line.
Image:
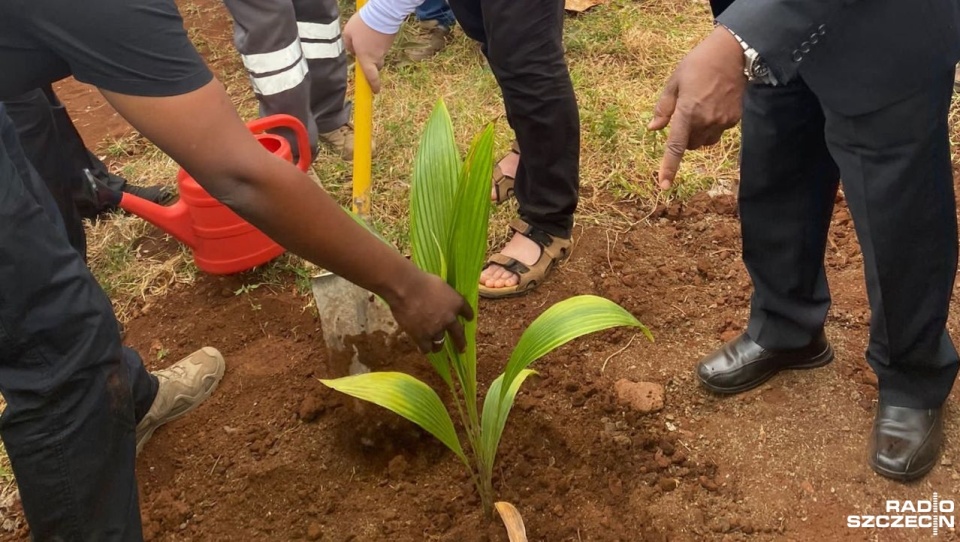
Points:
754	67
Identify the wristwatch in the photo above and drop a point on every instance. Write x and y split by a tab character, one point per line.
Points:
754	67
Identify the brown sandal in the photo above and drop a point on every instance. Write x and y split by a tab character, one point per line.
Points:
503	183
553	250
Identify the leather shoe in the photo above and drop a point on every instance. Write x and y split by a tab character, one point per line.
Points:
905	441
742	364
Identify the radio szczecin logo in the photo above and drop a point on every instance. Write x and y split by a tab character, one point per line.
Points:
924	514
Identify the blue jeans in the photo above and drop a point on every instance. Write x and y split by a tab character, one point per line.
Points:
74	394
436	10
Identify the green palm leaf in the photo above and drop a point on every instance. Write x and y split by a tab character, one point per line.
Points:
433	190
406	396
563	322
496	409
468	235
467	248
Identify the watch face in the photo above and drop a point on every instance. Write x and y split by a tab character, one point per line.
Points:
760	69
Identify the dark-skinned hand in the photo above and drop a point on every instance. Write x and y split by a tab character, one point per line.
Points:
702	99
428	311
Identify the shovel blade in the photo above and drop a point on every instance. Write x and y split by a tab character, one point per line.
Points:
347	314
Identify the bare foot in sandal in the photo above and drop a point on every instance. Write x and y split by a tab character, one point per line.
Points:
525	262
520	248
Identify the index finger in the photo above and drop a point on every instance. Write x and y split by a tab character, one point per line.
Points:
466	311
371	73
676	145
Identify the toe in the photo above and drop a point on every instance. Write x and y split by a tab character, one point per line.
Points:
490	276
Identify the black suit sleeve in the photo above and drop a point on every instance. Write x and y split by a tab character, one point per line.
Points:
718	6
782	31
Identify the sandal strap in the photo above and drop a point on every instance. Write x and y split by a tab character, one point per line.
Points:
503	184
508	263
554	247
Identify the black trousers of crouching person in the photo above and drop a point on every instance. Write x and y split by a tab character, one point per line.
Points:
523	42
73	393
53	146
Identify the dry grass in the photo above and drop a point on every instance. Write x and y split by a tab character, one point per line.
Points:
619	55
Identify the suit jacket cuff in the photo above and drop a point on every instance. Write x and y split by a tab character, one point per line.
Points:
781	31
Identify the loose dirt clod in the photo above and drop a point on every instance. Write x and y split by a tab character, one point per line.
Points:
310	408
397	467
644	397
668	484
708	484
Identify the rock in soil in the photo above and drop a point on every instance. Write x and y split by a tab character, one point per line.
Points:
708	484
644	397
668	484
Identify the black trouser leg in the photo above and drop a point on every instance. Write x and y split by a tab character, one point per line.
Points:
523	42
69	386
898	180
788	183
79	158
32	114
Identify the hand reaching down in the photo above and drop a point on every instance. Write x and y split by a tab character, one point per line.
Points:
702	99
428	309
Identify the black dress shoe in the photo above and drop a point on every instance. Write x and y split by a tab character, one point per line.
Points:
742	364
906	441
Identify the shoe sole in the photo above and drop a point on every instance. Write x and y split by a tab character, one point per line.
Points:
903	476
199	400
820	360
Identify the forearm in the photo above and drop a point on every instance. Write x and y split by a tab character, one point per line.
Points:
202	132
304	219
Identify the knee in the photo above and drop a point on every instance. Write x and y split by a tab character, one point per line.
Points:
529	71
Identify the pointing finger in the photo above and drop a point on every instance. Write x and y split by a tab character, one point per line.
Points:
676	146
666	105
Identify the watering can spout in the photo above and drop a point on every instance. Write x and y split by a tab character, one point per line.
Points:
173	219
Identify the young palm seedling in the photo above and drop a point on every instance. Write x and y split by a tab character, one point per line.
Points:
449	215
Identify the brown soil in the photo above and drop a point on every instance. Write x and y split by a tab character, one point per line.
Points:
275	456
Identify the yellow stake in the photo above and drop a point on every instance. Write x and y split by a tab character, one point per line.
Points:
363	138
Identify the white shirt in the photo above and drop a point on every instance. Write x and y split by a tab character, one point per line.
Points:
386	16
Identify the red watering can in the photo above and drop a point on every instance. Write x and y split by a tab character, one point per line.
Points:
222	242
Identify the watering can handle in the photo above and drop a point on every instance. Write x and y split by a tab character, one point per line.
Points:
286	121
